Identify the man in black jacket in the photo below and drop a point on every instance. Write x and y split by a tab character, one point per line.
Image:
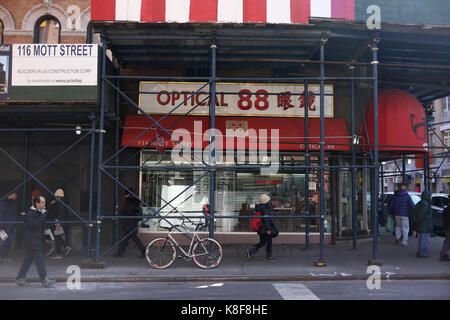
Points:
446	244
130	208
8	213
34	227
266	232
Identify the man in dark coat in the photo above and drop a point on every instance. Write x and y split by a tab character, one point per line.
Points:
130	208
266	232
399	207
446	244
8	213
423	223
35	226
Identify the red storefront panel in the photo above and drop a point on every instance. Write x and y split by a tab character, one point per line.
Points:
291	132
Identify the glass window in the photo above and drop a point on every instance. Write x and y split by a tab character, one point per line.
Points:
236	194
47	30
447	137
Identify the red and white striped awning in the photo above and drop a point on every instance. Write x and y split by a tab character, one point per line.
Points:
221	11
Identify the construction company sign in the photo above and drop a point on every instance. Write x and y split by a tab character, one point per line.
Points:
234	99
54	65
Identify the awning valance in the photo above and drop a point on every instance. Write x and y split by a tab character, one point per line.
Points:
291	132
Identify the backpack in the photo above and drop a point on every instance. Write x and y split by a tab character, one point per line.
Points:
256	223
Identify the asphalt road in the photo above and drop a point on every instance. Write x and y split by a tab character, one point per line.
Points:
319	290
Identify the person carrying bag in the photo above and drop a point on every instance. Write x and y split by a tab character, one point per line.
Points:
266	231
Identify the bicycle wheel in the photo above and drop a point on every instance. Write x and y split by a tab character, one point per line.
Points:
160	253
207	253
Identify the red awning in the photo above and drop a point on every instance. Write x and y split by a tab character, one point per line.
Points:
401	123
291	132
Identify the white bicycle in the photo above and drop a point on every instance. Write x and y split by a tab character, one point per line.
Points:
161	252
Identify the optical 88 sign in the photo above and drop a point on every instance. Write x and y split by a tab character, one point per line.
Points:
243	99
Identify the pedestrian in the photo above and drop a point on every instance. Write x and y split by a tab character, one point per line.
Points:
266	232
49	245
423	223
446	245
131	207
399	207
57	212
35	226
8	213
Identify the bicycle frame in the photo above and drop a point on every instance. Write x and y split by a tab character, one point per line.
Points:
194	239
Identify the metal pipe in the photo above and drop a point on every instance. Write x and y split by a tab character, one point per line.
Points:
228	79
353	174
307	162
91	186
207	168
25	160
101	135
322	149
376	160
116	171
212	127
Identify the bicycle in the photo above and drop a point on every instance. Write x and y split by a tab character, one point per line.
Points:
161	252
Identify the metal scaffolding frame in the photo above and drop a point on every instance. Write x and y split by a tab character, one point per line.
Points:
211	168
98	122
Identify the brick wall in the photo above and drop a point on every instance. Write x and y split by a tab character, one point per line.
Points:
24	14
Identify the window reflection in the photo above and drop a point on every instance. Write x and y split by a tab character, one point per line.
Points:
48	30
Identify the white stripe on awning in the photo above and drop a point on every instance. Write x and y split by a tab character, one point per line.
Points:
279	11
230	11
177	10
321	8
128	10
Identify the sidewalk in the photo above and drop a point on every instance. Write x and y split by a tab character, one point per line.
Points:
292	264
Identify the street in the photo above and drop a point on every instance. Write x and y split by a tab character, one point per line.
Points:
245	290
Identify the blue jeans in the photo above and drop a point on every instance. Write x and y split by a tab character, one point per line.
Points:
6	245
424	244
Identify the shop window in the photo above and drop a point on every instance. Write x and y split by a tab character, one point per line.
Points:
47	30
447	138
236	193
1	32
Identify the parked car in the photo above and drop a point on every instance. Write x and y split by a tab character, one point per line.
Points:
438	201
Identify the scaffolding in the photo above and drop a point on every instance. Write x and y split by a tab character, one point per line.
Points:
316	39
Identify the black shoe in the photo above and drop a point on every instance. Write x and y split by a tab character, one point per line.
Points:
21	282
47	282
270	259
118	255
444	259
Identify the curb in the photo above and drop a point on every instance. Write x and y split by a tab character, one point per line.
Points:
293	278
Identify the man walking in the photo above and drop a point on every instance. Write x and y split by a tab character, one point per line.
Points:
399	207
34	227
8	213
131	208
446	244
423	223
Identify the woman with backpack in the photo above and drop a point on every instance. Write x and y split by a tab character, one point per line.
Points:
266	231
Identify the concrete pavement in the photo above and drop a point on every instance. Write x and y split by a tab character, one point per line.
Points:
292	264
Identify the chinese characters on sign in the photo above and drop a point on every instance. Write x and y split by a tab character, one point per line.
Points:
265	100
